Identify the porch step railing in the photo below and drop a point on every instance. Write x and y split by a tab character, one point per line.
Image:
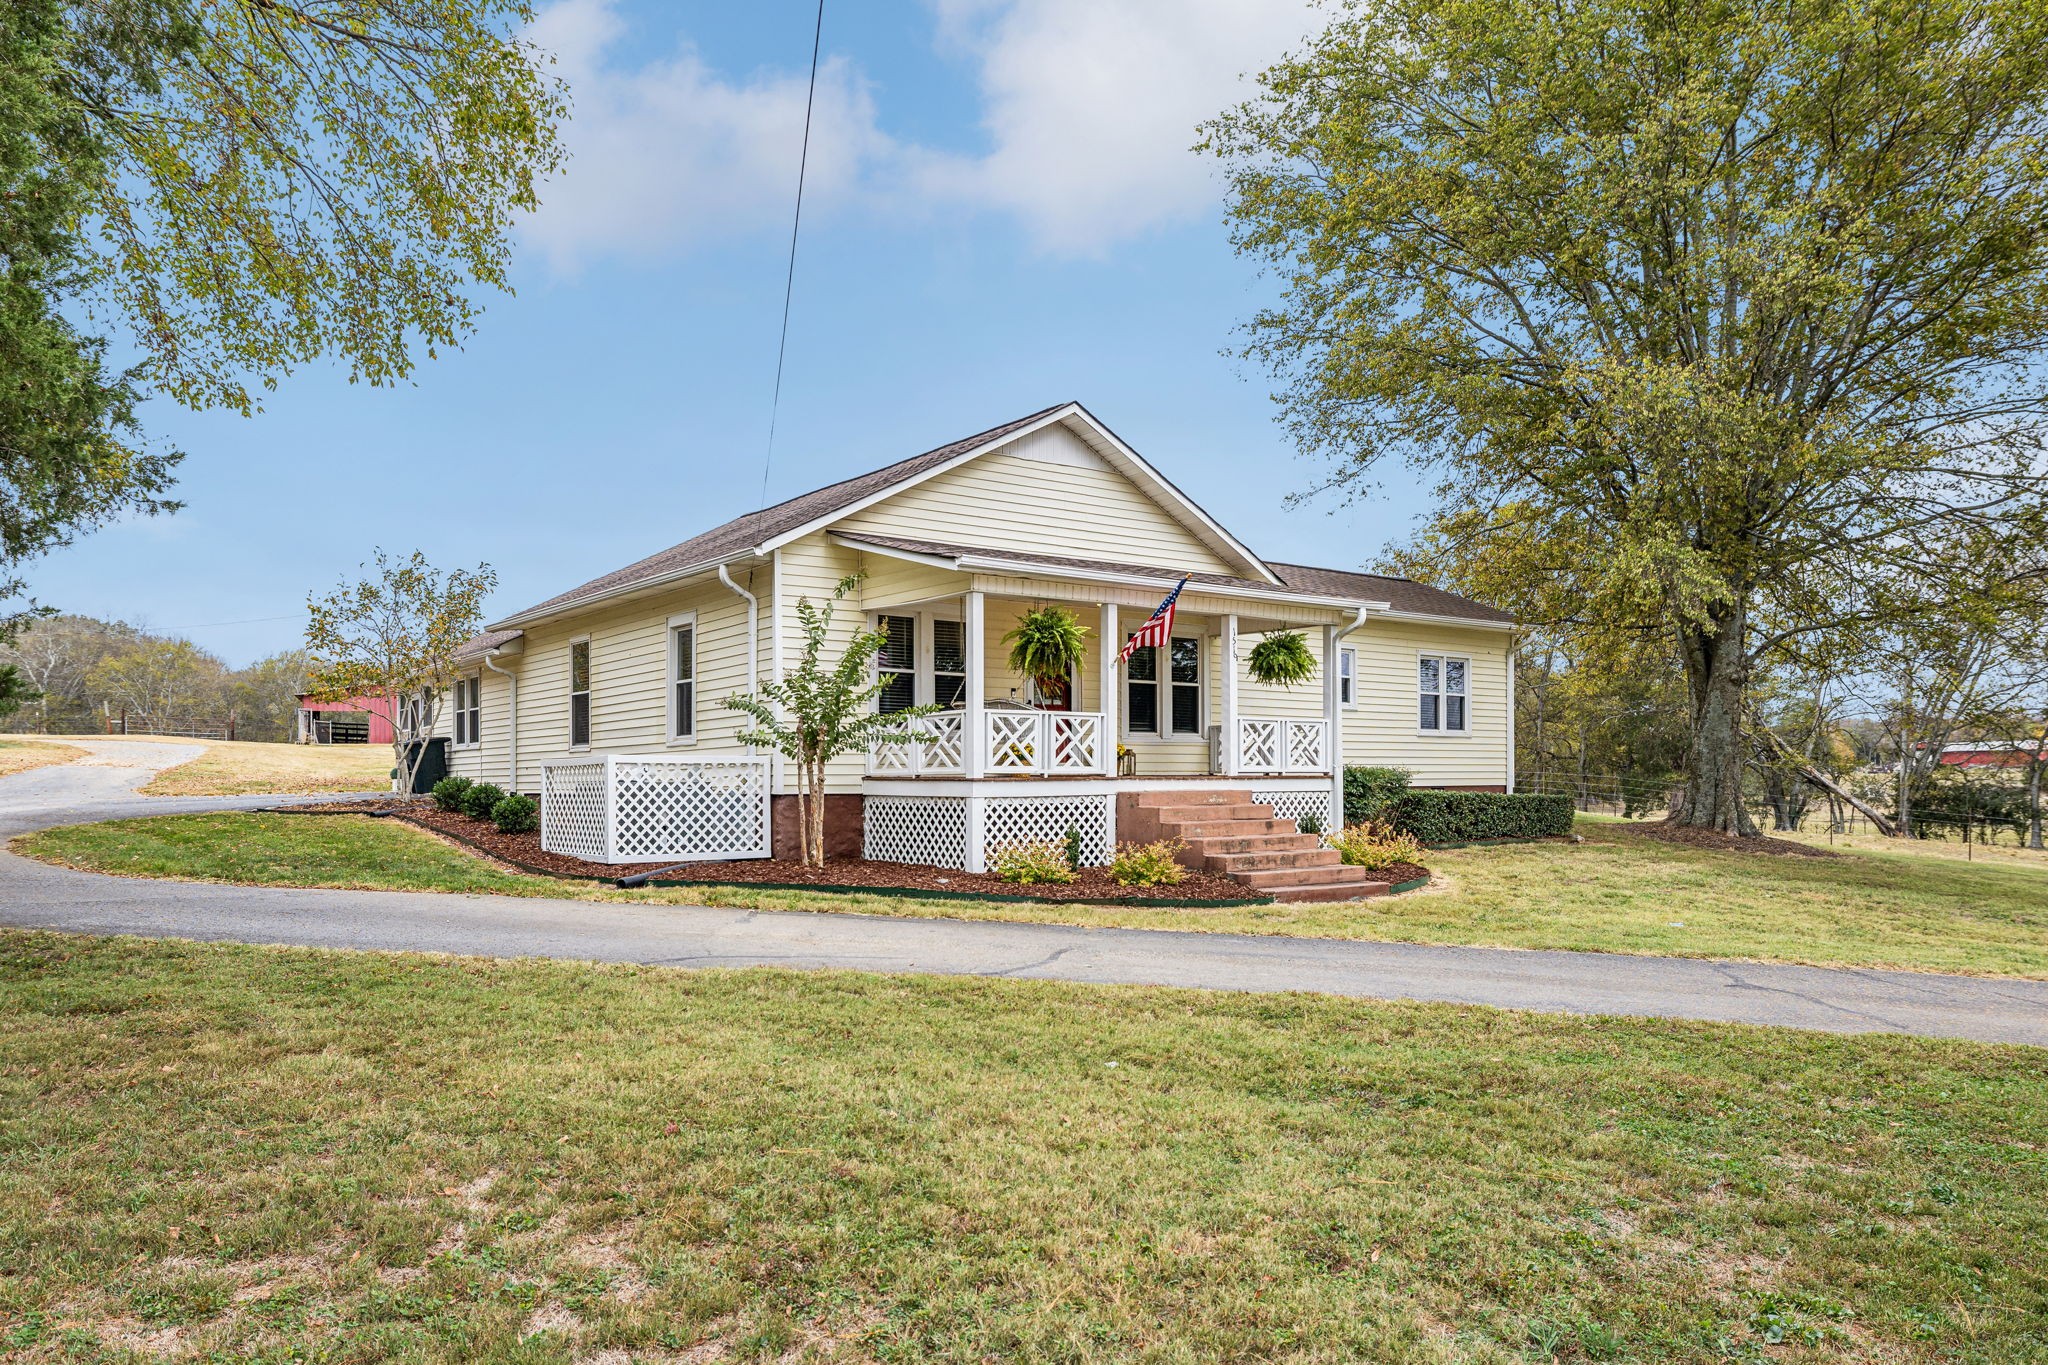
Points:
1265	744
1012	744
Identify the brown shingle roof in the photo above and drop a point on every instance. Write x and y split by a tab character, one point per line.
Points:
1402	594
474	648
745	532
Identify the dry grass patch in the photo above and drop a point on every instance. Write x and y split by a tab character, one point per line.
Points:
242	768
233	1153
20	755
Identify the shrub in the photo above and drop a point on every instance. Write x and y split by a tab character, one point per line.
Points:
1367	791
1374	846
516	814
1462	817
1072	847
480	800
1041	861
449	792
1309	823
1151	864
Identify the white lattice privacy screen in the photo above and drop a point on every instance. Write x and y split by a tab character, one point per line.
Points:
642	810
935	829
1292	803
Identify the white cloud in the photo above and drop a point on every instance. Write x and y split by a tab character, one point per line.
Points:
672	153
1091	106
1089	109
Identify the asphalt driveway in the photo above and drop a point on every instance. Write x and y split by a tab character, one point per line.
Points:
38	896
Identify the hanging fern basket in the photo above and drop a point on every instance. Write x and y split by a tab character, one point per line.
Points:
1047	645
1281	660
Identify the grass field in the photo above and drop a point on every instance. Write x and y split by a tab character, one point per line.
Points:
20	755
240	768
256	1154
1617	892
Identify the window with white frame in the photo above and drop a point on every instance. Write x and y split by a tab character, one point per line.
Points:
1440	683
579	694
949	662
1172	704
469	707
1347	677
896	663
682	665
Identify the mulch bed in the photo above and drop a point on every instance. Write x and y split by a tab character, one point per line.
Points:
846	874
1396	873
1729	843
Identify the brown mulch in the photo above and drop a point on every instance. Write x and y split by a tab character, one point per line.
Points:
1729	843
1093	884
1393	874
524	851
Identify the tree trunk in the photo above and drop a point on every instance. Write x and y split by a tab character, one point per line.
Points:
817	858
1776	748
2034	803
803	811
1716	677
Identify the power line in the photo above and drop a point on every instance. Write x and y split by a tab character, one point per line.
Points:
789	280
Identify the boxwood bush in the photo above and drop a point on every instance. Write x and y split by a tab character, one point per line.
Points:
479	801
1438	817
1367	791
516	814
450	791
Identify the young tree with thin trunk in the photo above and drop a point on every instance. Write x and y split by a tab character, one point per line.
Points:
1713	318
392	636
818	711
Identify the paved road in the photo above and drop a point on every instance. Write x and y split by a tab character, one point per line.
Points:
33	895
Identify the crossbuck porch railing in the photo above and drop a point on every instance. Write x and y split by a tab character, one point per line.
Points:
1011	743
1268	745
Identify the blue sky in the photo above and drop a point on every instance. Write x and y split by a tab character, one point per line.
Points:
1002	215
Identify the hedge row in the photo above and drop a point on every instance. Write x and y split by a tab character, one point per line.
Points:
1367	791
1439	817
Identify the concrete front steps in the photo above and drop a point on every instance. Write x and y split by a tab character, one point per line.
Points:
1226	831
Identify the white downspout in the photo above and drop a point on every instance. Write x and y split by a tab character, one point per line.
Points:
753	628
1330	665
511	718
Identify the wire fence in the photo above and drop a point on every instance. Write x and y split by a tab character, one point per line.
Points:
1619	795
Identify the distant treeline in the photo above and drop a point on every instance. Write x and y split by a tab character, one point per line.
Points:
91	673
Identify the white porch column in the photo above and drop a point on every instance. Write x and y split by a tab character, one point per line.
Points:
1333	717
1229	745
971	754
1109	691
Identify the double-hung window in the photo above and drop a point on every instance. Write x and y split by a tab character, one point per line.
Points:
469	710
1172	704
579	694
1347	677
949	663
1440	683
896	663
682	661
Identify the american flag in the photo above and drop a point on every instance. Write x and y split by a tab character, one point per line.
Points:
1158	626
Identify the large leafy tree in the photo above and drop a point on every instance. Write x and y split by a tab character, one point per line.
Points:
70	451
1718	319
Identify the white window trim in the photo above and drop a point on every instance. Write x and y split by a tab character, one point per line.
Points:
590	712
920	657
1167	734
1348	655
1443	732
475	741
676	623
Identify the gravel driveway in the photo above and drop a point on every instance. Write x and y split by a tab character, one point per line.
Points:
35	895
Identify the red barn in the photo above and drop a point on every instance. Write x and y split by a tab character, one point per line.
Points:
359	720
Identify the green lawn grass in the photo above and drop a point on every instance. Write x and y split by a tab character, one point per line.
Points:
261	1154
1617	892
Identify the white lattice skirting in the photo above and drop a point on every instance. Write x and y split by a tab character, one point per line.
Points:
939	830
1293	803
628	809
